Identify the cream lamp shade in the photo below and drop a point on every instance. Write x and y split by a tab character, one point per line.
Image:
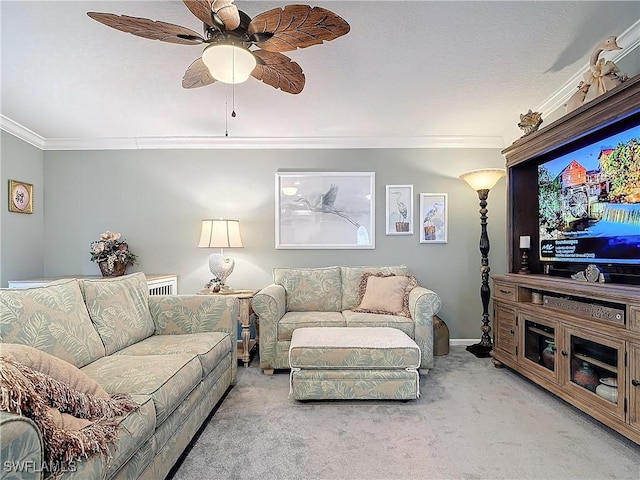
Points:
229	63
220	233
483	179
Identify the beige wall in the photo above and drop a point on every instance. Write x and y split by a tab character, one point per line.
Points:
156	199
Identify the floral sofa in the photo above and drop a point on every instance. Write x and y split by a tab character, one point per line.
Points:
175	357
334	297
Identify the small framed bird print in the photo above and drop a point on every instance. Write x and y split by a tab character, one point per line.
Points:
399	216
434	218
20	197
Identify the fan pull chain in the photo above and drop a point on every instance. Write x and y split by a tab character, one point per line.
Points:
233	100
226	108
233	84
226	111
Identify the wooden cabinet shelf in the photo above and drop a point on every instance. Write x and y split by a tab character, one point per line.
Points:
595	362
541	332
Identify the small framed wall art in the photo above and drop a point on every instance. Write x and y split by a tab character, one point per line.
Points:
399	216
20	197
434	218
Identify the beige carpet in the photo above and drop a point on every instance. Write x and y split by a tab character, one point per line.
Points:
473	421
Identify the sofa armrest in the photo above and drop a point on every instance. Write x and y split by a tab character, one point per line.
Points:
423	305
180	314
270	306
21	447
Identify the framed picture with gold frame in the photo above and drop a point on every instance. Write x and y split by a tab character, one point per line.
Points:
20	197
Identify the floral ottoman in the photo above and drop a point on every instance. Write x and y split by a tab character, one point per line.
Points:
331	363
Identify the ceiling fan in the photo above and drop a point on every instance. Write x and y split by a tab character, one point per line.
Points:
230	34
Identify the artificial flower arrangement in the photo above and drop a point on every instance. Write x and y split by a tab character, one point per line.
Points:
111	249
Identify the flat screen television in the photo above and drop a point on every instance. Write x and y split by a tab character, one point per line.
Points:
589	205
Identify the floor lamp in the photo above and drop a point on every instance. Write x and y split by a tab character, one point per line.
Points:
482	181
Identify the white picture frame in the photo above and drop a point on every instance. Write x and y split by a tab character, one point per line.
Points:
325	210
434	218
399	210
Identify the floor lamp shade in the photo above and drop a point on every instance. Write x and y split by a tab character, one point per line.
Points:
220	233
483	179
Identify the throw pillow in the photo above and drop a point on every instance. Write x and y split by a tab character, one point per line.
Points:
385	294
54	367
73	424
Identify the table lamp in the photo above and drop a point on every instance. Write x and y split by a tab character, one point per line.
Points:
220	233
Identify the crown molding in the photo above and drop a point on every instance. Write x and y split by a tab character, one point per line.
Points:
204	143
630	37
22	132
320	142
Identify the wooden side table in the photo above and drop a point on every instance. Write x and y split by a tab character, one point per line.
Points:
245	311
244	317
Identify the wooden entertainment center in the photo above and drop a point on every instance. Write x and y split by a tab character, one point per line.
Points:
580	340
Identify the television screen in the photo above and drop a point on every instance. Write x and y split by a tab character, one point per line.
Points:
589	202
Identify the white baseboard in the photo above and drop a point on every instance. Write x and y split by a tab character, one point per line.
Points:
463	341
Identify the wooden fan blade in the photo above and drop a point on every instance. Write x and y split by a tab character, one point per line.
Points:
153	30
201	9
227	12
197	75
279	71
297	26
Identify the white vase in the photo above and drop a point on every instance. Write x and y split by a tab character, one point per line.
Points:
608	389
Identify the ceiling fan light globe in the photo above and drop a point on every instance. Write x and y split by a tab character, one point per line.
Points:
229	63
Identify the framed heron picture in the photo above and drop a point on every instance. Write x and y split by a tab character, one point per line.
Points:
399	210
434	218
325	210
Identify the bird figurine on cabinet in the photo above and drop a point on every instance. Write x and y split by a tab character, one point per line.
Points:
603	75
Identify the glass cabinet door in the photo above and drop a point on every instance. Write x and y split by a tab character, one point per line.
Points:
595	369
538	345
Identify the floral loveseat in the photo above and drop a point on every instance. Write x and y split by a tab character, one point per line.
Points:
330	297
174	355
